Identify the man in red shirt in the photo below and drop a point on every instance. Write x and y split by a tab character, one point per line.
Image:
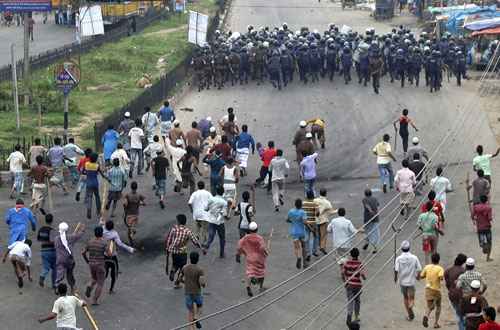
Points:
437	207
489	316
268	154
352	274
482	216
83	178
224	148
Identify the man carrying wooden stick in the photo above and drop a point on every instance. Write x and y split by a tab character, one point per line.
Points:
64	309
254	248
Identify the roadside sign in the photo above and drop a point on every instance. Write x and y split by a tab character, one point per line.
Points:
180	6
25	5
197	28
66	76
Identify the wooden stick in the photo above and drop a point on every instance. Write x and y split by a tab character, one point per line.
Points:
77	228
49	194
87	313
269	240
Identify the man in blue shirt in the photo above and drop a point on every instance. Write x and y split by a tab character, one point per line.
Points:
109	141
18	218
297	218
215	162
242	145
167	117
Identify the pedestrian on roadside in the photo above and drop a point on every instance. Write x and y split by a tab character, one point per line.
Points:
65	261
111	263
109	141
118	180
40	175
428	224
297	219
94	255
480	186
383	151
405	182
312	211
483	162
217	209
254	248
482	217
194	279
489	316
18	219
441	185
216	163
433	274
160	167
132	201
71	153
246	212
353	275
464	280
37	149
343	233
176	246
56	159
267	156
16	161
64	309
308	172
136	135
46	237
407	270
455	294
82	182
371	221
198	202
279	168
472	305
325	210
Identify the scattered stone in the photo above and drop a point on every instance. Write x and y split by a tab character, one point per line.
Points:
187	109
144	82
100	88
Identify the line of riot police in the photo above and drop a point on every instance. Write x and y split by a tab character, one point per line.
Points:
278	54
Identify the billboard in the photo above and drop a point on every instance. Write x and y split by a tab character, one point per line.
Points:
25	5
197	28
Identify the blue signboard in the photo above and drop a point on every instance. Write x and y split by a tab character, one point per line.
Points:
16	6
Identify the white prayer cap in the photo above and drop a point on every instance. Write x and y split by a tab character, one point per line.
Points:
127	114
252	226
303	123
415	140
470	262
212	129
178	142
209	118
309	135
475	284
405	245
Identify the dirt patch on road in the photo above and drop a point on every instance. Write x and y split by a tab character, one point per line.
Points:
166	31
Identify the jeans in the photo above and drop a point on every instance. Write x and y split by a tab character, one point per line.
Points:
75	176
386	174
264	171
89	193
460	318
221	232
373	233
214	182
309	186
136	159
311	242
82	182
49	264
277	188
353	300
18	182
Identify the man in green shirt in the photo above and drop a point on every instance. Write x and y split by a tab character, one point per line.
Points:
429	225
482	162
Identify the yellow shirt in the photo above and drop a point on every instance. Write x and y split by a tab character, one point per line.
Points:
433	275
317	121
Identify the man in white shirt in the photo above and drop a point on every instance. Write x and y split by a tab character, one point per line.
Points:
343	232
16	160
149	122
136	135
198	203
64	309
122	156
20	256
406	271
383	151
217	207
279	171
441	186
405	182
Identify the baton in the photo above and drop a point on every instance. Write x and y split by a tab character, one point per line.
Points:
395	138
87	313
269	240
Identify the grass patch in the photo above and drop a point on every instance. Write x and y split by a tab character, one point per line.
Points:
113	69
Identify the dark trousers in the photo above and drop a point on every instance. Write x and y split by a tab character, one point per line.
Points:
264	171
376	82
221	232
91	192
111	267
49	265
404	139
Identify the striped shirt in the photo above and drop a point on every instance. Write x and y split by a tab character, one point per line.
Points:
96	249
352	271
117	177
311	208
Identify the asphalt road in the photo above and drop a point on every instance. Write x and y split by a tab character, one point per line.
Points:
356	118
46	37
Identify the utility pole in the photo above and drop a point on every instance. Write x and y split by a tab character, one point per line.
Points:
66	114
27	64
14	86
